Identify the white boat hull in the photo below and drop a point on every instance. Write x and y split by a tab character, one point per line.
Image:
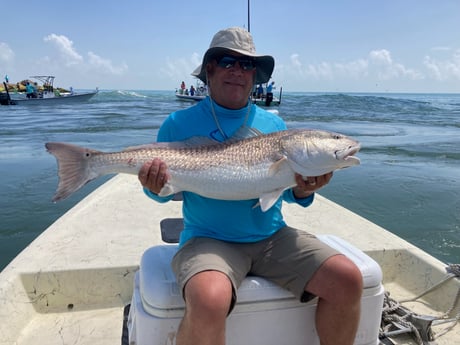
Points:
184	97
262	102
72	283
64	99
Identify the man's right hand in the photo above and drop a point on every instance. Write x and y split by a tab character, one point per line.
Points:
153	175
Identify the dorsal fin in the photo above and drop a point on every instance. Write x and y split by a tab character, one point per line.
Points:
198	141
190	142
245	132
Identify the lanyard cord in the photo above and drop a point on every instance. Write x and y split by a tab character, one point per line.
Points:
216	120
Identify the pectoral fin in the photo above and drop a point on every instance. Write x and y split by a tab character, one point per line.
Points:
278	166
267	200
168	189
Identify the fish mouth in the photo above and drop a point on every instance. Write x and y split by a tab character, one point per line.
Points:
348	154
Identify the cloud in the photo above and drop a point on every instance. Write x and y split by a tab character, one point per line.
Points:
329	70
6	53
441	48
69	54
443	70
319	71
66	49
178	69
355	69
387	69
105	65
295	61
378	65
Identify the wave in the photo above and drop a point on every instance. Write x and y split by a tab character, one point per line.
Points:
122	96
412	153
394	108
131	93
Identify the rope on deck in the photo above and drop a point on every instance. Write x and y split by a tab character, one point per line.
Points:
397	319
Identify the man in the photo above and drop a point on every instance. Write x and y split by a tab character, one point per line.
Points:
269	98
223	241
30	91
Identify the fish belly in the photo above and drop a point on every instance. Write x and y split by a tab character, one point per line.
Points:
233	182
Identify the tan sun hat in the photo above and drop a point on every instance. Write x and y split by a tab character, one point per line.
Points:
240	41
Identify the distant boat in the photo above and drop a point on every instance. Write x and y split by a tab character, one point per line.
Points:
188	97
47	95
265	99
199	92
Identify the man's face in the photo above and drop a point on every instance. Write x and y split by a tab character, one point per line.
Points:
230	79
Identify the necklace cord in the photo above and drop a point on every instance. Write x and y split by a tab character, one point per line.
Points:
216	120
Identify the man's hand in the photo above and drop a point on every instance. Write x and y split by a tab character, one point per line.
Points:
153	175
306	187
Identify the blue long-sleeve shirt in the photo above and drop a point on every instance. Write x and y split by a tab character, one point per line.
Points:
233	221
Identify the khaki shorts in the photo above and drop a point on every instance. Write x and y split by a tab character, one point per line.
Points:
289	258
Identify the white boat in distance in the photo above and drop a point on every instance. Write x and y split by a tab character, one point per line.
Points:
75	282
198	93
50	95
188	97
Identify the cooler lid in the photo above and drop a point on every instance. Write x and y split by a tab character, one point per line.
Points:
157	282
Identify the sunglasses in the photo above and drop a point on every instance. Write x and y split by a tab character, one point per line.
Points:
228	61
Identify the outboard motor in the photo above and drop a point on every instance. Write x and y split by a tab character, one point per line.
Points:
5	97
269	99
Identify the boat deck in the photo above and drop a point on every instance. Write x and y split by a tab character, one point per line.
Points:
72	283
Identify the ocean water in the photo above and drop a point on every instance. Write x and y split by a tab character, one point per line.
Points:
408	181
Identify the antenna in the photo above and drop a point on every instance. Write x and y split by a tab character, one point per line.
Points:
249	16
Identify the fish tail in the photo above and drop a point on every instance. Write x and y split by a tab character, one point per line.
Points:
74	168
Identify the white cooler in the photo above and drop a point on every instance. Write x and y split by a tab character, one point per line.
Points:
265	314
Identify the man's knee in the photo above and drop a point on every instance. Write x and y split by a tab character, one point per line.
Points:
209	292
350	280
338	280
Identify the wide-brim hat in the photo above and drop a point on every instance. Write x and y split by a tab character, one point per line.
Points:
237	40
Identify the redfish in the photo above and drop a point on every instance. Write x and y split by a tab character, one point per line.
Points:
259	167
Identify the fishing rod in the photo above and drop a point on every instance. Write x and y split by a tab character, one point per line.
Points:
249	16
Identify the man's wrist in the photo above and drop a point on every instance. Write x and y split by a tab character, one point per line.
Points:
301	194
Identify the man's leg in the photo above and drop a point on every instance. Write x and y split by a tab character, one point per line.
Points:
339	284
208	273
208	296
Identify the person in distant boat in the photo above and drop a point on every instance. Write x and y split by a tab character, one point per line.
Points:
270	88
192	90
30	91
182	88
269	95
260	91
222	241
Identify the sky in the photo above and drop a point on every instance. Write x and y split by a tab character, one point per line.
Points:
318	46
